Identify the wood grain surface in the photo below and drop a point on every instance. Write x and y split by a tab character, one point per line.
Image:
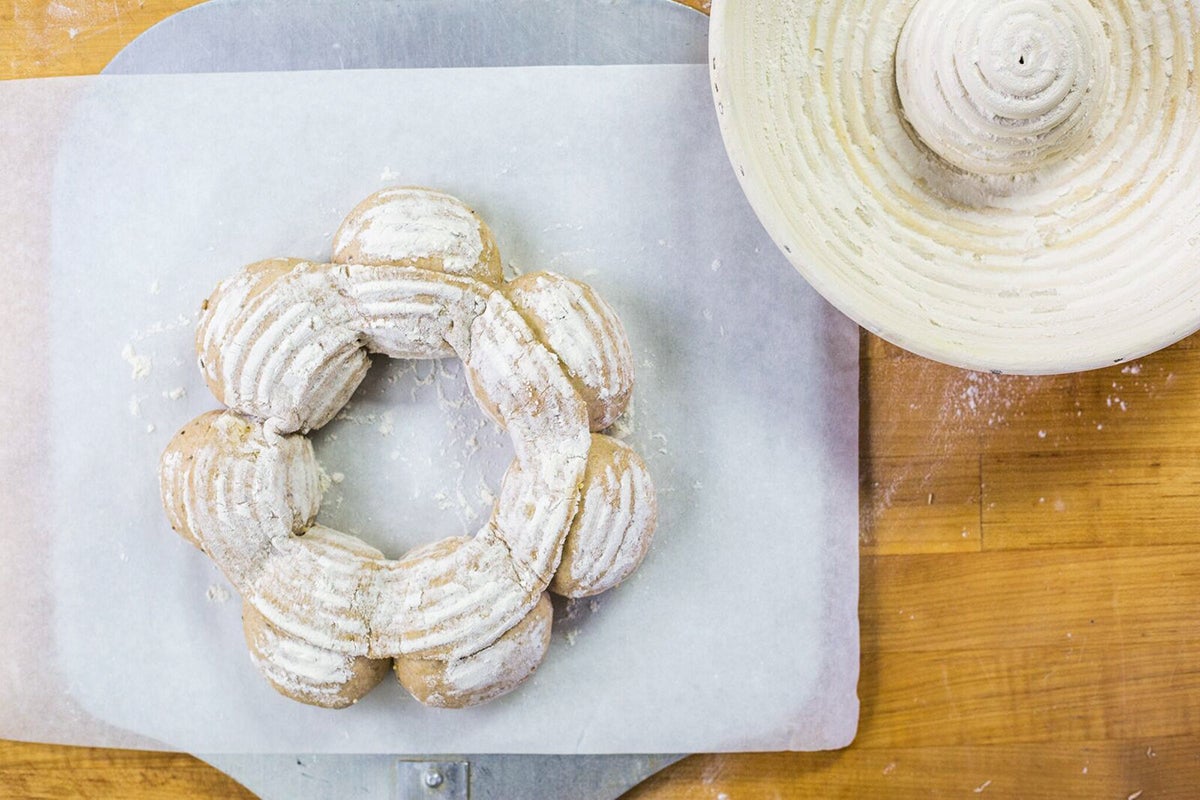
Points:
1030	570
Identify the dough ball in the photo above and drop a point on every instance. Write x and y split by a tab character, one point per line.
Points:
302	671
485	675
615	522
586	334
415	227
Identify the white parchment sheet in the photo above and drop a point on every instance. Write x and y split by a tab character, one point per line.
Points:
132	196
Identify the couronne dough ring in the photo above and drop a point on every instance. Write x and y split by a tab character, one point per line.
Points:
1003	185
284	343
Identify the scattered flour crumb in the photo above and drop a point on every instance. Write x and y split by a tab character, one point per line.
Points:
72	32
1135	795
154	287
722	796
979	789
1085	770
135	405
387	425
337	477
571	635
388	175
217	593
716	264
1041	434
890	768
150	427
139	364
163	326
1150	752
623	428
175	394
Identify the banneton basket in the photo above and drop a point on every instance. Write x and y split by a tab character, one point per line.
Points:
1003	185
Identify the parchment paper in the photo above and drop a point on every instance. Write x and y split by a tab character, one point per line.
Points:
738	632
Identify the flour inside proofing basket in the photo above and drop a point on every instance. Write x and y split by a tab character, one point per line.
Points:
411	458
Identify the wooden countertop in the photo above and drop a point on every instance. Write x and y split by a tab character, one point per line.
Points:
1030	570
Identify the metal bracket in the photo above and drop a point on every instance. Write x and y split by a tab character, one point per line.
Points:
432	780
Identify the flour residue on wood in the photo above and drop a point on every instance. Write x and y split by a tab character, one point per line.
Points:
932	433
922	435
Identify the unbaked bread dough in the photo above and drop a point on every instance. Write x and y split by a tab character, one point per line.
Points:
284	343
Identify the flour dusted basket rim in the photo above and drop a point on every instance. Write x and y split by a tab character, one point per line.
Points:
1004	185
284	343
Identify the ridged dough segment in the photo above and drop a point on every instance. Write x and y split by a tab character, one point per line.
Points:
320	587
533	514
587	336
487	674
286	341
405	312
276	343
232	492
302	671
612	531
448	599
520	382
416	227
